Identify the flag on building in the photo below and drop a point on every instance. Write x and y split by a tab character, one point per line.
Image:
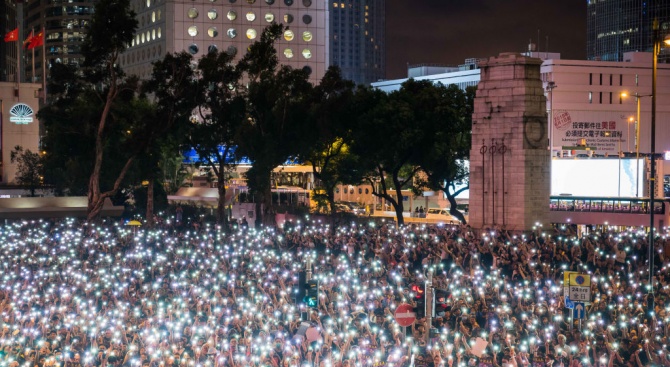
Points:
36	41
12	36
28	39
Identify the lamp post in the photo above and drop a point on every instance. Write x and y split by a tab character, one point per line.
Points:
652	179
550	88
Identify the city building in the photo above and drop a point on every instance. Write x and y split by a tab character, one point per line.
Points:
8	50
615	27
232	26
357	39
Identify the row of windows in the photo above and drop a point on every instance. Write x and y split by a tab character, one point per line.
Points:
305	3
251	33
600	97
147	36
611	79
146	54
269	17
232	50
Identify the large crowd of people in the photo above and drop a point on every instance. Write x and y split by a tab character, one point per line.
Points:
106	294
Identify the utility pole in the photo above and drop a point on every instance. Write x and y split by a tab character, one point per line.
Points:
429	304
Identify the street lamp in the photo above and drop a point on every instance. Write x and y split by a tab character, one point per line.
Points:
550	88
637	138
652	178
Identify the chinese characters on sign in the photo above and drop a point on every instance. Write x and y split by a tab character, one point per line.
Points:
607	132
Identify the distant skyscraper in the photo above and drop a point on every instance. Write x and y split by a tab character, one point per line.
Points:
357	39
617	26
228	25
7	49
65	25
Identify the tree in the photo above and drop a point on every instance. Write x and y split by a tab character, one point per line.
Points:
331	115
219	116
29	168
385	144
276	116
445	152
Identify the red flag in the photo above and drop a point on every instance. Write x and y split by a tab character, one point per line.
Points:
37	41
28	39
12	36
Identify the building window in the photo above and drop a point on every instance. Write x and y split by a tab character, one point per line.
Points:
251	1
610	97
601	79
590	97
620	79
307	70
269	17
192	13
307	19
590	78
307	36
251	33
269	2
288	53
192	31
306	53
288	35
288	18
232	50
231	15
600	98
212	32
193	49
212	14
232	33
212	49
307	3
251	16
288	2
360	191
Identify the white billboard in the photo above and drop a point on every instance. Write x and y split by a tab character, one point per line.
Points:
597	177
604	131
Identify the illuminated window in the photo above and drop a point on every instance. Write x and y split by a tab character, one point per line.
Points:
212	32
192	31
288	18
212	14
153	17
269	17
232	33
251	16
288	35
158	14
288	53
142	38
192	13
159	34
306	53
307	36
148	36
251	33
153	34
148	3
231	15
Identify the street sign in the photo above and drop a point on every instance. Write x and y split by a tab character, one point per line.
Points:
569	303
577	286
405	315
578	311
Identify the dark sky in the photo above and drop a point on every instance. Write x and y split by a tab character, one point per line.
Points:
449	31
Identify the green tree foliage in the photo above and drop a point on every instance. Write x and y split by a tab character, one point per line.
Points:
447	114
276	116
218	118
332	114
29	168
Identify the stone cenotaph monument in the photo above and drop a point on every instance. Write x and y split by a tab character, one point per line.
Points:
509	159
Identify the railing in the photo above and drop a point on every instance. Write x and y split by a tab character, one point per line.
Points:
607	205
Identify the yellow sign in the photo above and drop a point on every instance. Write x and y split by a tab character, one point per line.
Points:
566	277
580	280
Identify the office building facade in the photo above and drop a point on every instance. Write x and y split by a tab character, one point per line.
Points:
615	27
202	26
8	50
357	39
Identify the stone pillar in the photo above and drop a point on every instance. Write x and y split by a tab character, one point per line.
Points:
509	159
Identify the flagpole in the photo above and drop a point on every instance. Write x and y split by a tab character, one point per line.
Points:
18	67
32	76
44	65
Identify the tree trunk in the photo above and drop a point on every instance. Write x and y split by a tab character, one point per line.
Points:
268	217
330	193
399	205
150	202
453	209
221	215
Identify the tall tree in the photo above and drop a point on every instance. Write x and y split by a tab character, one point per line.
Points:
445	152
219	116
385	143
276	116
112	28
332	114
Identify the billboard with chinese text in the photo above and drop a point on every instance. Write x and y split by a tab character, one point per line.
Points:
605	131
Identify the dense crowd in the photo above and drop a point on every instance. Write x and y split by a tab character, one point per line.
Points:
105	294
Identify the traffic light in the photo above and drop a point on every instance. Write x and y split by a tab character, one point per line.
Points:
312	297
440	302
420	299
302	284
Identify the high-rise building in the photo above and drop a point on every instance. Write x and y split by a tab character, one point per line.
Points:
64	23
202	26
617	26
8	50
357	39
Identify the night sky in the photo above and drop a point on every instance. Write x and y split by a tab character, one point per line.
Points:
449	31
